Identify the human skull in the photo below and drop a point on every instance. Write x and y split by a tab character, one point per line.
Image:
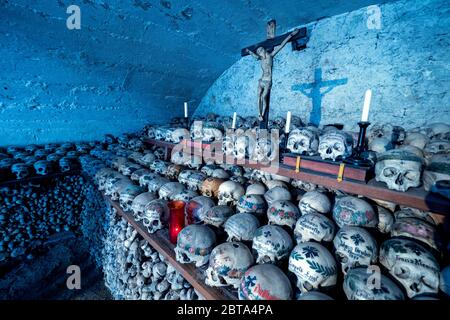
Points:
21	170
147	159
173	170
212	131
438	131
265	150
210	187
227	264
145	179
139	203
194	244
277	194
216	216
155	215
380	145
272	244
117	161
303	141
314	226
283	213
66	164
314	202
170	189
270	184
155	184
435	147
196	180
179	135
230	192
197	130
265	282
256	188
437	169
184	175
417	229
352	211
411	265
335	145
393	133
136	175
357	286
179	157
228	143
253	204
159	167
399	169
354	247
313	265
241	227
406	212
416	139
243	147
197	207
127	195
185	196
43	167
194	162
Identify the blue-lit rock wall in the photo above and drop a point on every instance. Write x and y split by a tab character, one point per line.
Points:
405	63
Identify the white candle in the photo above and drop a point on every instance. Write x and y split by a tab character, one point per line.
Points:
233	126
288	122
185	110
365	113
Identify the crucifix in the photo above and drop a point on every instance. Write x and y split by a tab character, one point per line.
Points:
265	52
315	93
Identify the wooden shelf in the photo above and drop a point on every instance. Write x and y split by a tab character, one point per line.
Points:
415	198
160	242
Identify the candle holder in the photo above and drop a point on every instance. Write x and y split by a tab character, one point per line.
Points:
358	157
176	219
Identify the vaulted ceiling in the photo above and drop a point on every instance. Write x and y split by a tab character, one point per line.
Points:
166	51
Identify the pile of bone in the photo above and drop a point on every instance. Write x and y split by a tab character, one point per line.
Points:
134	271
40	160
30	214
323	235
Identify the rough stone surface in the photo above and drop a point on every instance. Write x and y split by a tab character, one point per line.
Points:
131	63
405	63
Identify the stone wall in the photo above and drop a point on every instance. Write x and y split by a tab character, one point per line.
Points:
405	62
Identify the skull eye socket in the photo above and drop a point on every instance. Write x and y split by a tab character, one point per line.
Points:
338	147
389	172
411	175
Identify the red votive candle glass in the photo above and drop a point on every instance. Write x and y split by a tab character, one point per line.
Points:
176	219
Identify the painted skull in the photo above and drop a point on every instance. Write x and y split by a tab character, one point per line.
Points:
272	244
399	169
417	229
136	175
140	202
357	286
155	215
146	178
314	226
265	282
173	170
155	184
195	180
184	175
170	189
352	211
147	159
314	202
283	213
216	216
411	265
335	145
241	227
253	204
230	192
159	167
303	141
194	244
354	247
313	265
185	196
227	264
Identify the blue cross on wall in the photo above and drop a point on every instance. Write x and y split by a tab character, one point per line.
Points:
313	91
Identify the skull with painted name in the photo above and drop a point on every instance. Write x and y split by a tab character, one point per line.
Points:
314	226
194	244
354	247
411	265
227	264
272	244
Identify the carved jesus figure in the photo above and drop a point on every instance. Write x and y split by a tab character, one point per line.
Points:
265	83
